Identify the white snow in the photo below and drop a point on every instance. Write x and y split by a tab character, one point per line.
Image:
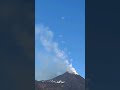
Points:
60	81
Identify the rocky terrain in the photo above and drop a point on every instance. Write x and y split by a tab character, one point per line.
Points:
66	81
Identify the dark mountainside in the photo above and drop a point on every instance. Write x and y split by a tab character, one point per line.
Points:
66	81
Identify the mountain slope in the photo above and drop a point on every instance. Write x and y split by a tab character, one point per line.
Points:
66	81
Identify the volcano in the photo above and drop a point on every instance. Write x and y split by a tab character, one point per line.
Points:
66	81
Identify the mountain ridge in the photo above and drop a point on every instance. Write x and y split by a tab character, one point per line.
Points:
66	81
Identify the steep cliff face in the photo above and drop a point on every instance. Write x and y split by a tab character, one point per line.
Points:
66	81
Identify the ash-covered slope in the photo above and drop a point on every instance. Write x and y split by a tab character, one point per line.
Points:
66	81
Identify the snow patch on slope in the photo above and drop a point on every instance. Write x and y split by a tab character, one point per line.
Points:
60	81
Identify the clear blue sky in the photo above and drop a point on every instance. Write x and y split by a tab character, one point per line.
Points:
66	18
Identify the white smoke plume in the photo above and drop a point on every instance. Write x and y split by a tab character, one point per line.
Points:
53	60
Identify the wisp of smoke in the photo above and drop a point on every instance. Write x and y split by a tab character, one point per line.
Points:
53	61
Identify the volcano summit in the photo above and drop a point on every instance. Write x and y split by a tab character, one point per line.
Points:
66	81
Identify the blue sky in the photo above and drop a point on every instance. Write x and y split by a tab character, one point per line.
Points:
66	19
